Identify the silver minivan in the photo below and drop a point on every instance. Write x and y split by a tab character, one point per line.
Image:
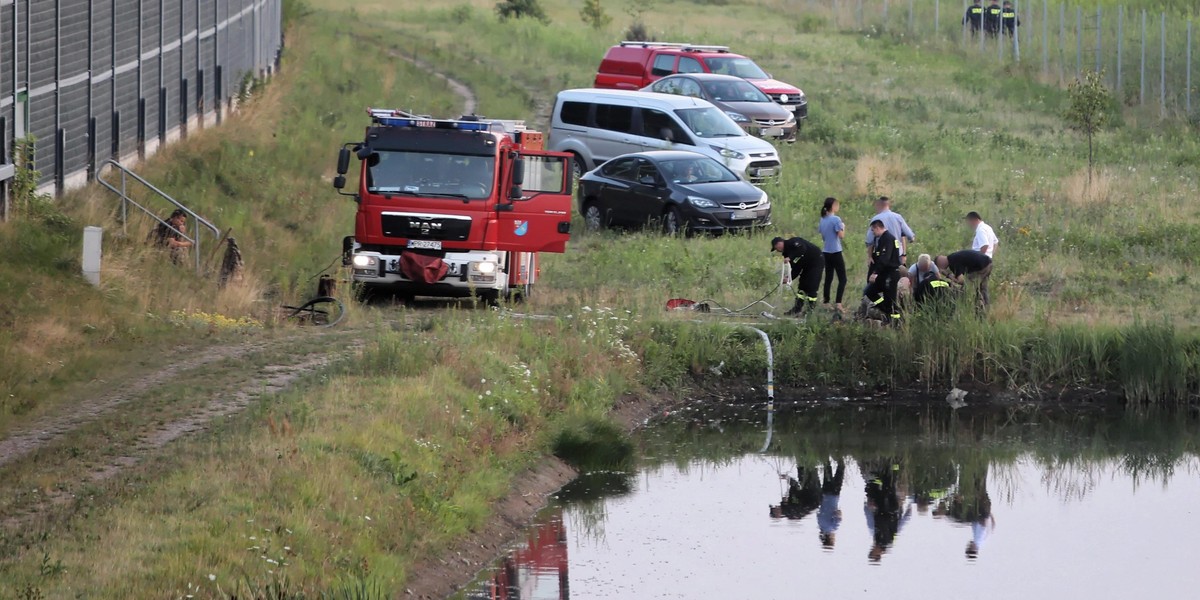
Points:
597	125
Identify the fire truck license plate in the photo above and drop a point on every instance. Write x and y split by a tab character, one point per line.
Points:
425	244
743	214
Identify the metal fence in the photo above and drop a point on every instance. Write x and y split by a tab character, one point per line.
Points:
113	79
1148	58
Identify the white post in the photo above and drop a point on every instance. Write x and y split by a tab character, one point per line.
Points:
92	237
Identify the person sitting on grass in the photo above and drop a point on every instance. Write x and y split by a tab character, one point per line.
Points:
171	235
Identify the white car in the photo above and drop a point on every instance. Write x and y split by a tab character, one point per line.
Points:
597	125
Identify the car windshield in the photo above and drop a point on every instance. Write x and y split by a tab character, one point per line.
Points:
735	91
430	174
736	66
696	170
709	122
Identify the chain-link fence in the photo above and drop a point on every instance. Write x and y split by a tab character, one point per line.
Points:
100	79
1147	57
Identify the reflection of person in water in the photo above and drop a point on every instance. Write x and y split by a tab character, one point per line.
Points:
883	507
829	515
973	505
803	495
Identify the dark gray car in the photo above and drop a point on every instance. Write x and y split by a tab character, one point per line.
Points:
684	191
747	105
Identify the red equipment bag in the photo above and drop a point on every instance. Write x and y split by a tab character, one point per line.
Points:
680	304
425	269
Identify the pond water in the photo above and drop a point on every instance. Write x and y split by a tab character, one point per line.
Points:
975	503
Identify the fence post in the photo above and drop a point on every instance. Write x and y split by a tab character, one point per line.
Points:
1045	38
910	17
1120	47
1099	30
1189	68
937	19
858	14
1062	40
1162	65
1016	33
963	25
1079	41
1142	68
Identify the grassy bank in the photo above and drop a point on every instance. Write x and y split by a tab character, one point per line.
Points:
394	454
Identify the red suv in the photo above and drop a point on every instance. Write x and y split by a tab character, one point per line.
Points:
635	65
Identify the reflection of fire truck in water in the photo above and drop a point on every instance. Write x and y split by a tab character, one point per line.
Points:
535	571
454	207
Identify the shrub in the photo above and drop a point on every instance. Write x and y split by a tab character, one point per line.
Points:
520	9
594	15
590	443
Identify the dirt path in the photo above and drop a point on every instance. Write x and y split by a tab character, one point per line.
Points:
29	437
470	102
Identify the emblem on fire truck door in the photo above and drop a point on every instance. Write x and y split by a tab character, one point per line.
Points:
520	227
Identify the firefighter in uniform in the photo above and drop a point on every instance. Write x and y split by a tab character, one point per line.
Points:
807	263
886	271
991	19
974	17
1009	19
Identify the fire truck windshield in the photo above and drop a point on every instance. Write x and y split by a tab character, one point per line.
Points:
431	174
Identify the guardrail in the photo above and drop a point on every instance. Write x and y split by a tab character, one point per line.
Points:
126	200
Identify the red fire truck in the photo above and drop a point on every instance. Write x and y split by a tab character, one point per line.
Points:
454	207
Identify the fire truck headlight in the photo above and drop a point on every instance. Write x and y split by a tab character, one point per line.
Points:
363	261
484	267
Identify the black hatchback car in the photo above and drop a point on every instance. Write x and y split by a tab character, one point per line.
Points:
684	191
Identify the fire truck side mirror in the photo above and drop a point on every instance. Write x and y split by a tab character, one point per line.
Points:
343	163
518	172
339	182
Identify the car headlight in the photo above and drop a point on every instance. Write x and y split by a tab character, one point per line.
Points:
737	116
363	261
699	202
727	153
484	267
764	201
801	99
791	118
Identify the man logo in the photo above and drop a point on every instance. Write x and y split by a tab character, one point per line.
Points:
520	227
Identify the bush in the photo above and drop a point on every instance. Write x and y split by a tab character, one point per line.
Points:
520	9
594	15
637	33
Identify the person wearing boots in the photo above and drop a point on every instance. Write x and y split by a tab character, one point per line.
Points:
807	263
885	271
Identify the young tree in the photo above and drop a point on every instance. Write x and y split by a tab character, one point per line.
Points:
1088	109
519	9
593	14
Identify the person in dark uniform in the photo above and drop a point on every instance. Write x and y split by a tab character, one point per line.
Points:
932	293
991	19
807	263
803	495
968	265
1009	19
885	271
974	17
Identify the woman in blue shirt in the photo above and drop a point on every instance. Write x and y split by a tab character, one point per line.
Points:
832	231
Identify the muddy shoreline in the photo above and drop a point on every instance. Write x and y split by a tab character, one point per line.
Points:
437	577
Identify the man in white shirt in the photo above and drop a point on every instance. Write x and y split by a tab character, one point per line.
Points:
985	239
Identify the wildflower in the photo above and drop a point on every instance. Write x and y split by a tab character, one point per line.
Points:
212	577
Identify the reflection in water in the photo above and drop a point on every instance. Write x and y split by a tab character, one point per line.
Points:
535	570
688	523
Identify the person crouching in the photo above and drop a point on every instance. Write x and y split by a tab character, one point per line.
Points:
806	263
885	271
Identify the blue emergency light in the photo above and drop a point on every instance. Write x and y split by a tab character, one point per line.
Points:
391	118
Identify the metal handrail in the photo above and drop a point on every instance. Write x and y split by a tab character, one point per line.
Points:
126	201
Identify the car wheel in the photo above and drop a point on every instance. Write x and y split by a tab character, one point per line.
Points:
673	223
593	220
578	168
